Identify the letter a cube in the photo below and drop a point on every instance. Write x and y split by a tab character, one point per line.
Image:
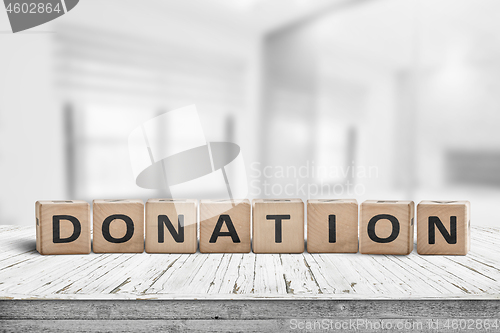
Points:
225	226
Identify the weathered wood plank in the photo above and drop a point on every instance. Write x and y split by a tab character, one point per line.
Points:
244	284
435	282
25	274
184	275
109	276
169	274
269	275
225	284
140	280
298	276
332	274
245	309
61	280
193	325
322	278
225	274
356	280
216	326
203	278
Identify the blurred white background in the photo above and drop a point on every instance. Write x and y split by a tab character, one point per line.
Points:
405	93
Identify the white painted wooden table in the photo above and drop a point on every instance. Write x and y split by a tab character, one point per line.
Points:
242	288
25	274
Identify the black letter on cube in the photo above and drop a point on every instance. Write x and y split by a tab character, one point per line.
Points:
128	234
56	228
395	228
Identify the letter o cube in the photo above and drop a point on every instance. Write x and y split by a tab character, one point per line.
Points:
118	226
386	227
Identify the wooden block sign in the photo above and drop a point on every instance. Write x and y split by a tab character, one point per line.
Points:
443	227
171	226
278	226
332	226
383	227
62	227
225	226
386	227
118	226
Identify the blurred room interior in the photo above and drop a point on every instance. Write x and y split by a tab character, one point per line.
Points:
409	88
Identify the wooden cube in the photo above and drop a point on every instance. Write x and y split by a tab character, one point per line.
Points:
443	227
118	226
62	227
386	227
278	226
225	226
332	226
171	226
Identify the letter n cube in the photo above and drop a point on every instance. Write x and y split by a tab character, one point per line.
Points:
443	227
171	226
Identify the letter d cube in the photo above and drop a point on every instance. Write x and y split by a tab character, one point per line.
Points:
62	227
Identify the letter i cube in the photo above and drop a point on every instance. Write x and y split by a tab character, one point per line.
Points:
332	226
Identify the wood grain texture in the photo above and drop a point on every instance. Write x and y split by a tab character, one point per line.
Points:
416	323
45	242
345	213
261	309
444	211
379	235
25	274
172	209
130	209
238	212
237	315
266	239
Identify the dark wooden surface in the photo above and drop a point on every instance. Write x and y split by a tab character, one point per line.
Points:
230	315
